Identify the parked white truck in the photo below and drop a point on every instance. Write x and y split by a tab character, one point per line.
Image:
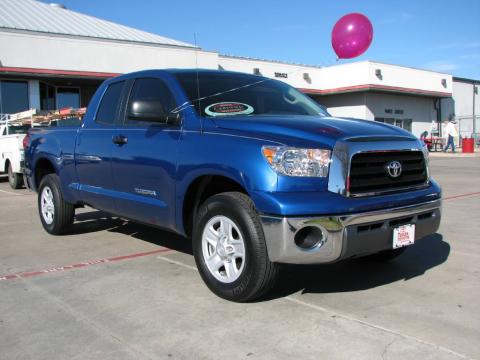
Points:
12	156
14	128
12	134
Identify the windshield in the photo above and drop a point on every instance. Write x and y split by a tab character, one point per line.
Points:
227	94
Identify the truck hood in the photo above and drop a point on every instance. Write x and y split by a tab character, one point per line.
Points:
299	129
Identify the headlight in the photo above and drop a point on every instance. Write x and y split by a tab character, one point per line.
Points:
298	162
426	156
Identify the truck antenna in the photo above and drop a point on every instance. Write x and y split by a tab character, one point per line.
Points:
198	82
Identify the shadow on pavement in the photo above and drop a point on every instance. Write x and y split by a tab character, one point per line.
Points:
95	220
350	275
363	273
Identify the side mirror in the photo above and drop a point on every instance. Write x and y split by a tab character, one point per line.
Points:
152	110
147	110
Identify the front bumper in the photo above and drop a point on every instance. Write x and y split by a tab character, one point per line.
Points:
346	236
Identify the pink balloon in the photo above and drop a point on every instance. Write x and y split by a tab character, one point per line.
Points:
352	35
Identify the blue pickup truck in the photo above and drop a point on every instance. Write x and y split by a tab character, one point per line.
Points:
254	172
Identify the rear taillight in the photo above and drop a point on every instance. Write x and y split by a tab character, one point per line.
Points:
26	141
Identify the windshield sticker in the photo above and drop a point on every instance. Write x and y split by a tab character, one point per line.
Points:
228	108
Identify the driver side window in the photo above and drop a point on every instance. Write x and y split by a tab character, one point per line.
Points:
149	89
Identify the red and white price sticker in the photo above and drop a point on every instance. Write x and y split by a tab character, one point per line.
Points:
403	236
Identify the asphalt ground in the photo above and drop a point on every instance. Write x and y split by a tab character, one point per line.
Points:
114	289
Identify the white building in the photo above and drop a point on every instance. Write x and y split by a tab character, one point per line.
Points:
464	105
51	57
398	95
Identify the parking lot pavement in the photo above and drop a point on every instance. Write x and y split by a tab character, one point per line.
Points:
115	289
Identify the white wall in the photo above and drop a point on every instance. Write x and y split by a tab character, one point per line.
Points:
34	50
409	78
368	105
463	97
268	69
325	78
462	106
346	105
420	109
69	53
345	75
351	75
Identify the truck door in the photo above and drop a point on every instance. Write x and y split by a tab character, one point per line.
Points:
144	165
94	150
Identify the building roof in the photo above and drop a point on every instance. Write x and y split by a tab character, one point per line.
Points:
470	81
36	16
281	62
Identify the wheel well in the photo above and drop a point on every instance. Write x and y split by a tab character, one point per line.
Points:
200	190
7	163
42	168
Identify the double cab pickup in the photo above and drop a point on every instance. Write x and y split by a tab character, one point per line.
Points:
254	172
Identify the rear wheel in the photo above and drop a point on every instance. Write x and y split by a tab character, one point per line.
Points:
56	214
230	250
14	179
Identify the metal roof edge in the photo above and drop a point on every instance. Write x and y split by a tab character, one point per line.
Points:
467	80
85	37
379	88
267	60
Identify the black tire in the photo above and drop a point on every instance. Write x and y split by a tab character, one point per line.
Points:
63	212
386	255
258	274
14	179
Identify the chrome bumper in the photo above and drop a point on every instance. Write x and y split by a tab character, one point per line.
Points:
346	235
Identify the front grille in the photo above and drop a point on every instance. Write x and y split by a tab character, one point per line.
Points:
368	174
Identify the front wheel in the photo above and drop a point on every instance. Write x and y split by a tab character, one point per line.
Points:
230	250
56	214
14	179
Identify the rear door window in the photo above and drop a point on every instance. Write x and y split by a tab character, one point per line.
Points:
108	109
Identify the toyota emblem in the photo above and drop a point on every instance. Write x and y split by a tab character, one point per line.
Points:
394	169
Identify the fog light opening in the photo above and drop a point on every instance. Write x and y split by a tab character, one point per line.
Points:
309	237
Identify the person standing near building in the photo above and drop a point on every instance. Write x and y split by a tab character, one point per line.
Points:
449	134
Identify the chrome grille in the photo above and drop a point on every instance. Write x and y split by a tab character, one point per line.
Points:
369	176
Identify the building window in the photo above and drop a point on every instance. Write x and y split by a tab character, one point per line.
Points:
68	97
407	124
401	123
13	96
47	97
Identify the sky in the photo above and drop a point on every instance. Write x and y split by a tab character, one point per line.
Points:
436	35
